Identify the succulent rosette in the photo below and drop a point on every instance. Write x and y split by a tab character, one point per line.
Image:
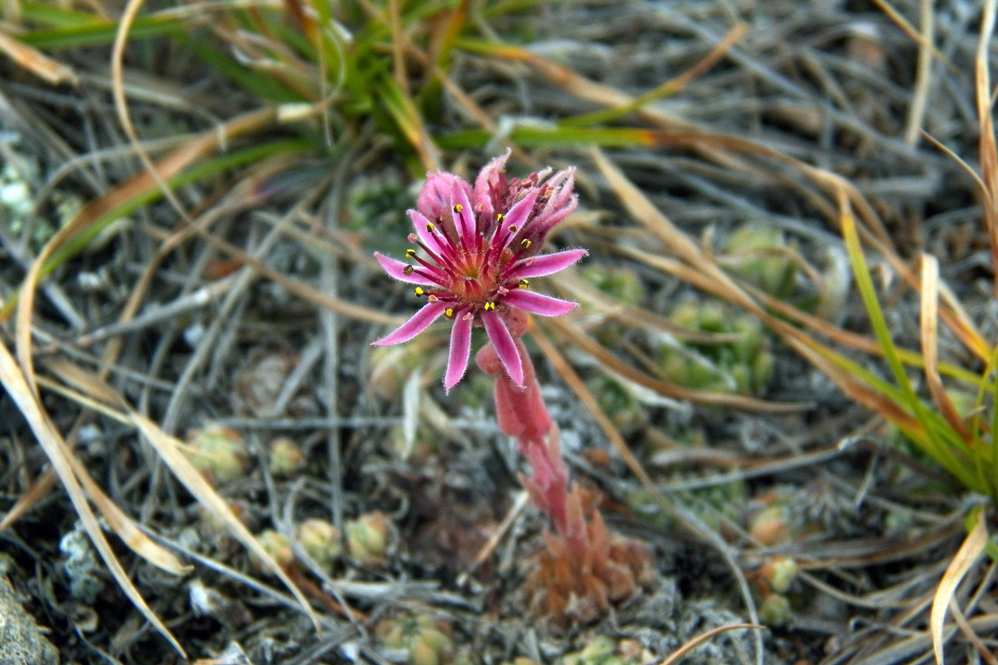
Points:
476	250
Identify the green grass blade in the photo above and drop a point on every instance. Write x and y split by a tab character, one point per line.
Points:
942	442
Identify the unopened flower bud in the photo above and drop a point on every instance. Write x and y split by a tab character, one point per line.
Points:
286	457
367	537
769	526
775	610
277	546
219	453
779	572
321	541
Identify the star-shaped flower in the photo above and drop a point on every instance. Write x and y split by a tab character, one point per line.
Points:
479	249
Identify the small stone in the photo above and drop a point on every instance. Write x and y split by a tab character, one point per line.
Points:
21	641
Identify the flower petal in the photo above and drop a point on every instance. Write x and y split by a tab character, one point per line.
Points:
396	269
518	214
504	346
460	351
420	222
415	325
535	303
464	221
437	196
490	181
546	264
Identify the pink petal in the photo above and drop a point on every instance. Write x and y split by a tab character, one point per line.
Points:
419	222
460	351
396	269
547	264
559	204
489	179
518	214
535	303
504	346
464	221
415	325
437	196
517	217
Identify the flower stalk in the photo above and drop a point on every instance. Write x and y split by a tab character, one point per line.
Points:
476	250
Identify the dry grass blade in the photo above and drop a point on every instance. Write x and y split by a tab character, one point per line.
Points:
923	75
859	391
683	651
929	298
987	147
94	212
599	302
35	493
612	98
900	21
132	8
24	396
624	369
50	70
304	291
962	562
642	210
972	637
120	523
169	449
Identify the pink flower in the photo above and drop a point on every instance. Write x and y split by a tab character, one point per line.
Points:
479	250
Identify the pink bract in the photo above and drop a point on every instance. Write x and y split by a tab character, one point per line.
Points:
478	246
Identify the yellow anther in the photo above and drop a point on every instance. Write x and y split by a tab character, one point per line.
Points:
500	216
523	283
407	271
410	253
429	227
419	291
458	208
525	244
449	312
489	306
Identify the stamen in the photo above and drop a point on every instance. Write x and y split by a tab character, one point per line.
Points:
500	216
449	312
419	291
410	253
511	228
458	208
432	274
524	283
525	244
489	306
449	249
407	271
